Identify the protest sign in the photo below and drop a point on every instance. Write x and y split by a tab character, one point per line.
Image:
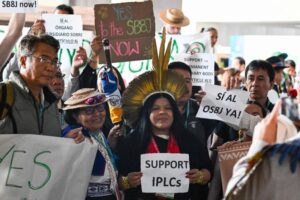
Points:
67	29
129	69
130	28
224	105
43	167
164	172
202	66
198	43
18	6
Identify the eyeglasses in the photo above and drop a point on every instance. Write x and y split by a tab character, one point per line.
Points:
94	100
46	60
91	110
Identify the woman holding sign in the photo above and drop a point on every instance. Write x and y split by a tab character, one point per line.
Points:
85	113
150	107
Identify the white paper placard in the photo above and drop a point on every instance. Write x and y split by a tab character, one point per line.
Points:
164	172
44	167
224	105
67	29
202	66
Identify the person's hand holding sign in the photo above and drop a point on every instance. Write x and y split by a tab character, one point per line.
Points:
97	47
134	178
77	135
79	60
198	176
199	96
38	27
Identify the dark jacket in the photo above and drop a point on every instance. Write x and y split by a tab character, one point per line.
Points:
25	111
129	161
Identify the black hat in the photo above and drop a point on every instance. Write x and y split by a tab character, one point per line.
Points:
276	62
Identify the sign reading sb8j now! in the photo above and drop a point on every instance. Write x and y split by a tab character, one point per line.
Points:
130	28
35	167
165	172
18	6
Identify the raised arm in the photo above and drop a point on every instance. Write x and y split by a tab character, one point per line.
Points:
14	32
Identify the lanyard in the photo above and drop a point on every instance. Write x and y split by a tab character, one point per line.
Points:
100	138
187	113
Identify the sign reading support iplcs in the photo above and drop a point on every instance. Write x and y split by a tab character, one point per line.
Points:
165	173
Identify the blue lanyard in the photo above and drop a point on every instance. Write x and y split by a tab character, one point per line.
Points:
103	142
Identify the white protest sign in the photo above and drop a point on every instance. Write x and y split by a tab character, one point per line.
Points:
18	6
202	66
224	105
67	29
164	172
43	167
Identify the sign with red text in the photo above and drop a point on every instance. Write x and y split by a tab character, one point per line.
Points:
67	29
18	6
221	104
165	172
202	66
44	167
130	28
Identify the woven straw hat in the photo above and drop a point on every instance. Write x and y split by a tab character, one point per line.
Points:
85	97
174	16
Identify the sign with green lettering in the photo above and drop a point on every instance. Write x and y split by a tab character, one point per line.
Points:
130	28
43	167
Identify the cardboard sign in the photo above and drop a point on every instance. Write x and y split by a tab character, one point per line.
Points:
18	6
202	66
164	172
67	29
224	105
130	28
44	167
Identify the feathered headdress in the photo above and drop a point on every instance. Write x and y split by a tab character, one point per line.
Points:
159	80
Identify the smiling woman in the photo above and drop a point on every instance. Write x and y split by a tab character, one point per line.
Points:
150	107
85	113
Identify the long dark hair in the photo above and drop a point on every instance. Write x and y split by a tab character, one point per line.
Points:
70	116
143	128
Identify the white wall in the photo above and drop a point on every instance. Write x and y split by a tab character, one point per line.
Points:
242	10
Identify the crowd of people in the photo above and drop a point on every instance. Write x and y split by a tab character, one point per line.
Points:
156	114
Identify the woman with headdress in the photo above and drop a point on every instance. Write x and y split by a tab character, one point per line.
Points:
85	112
149	104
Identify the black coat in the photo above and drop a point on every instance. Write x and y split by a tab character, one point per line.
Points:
129	161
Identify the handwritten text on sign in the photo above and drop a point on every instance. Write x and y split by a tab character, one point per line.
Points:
129	27
18	6
65	28
43	167
224	105
165	173
202	66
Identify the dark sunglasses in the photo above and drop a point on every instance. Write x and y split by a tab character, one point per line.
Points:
94	100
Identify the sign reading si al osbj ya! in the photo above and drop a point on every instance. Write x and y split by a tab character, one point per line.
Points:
129	27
